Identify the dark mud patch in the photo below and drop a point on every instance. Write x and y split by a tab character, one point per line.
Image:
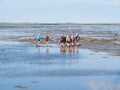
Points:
111	48
34	81
91	54
2	50
104	57
20	87
115	53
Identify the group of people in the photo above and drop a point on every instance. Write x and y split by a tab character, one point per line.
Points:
68	43
65	40
70	40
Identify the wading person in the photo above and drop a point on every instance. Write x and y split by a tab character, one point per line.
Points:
47	39
38	38
77	39
72	41
68	41
62	40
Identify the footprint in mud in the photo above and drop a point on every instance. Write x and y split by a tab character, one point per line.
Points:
96	51
2	50
20	87
92	54
34	82
104	57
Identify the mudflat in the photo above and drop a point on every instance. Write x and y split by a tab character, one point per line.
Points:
96	37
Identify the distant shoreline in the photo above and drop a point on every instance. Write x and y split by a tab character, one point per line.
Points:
64	23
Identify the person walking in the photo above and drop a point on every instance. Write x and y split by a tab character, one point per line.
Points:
38	38
77	39
47	39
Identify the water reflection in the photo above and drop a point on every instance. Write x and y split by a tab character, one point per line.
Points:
55	63
71	50
62	49
67	50
57	56
38	48
77	49
47	49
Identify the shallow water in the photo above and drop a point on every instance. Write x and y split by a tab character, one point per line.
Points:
17	60
63	83
27	67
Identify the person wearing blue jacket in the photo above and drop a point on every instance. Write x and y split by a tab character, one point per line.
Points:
38	38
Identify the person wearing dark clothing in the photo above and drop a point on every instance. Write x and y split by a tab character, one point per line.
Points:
77	39
62	40
47	39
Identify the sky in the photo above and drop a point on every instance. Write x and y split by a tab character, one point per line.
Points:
56	11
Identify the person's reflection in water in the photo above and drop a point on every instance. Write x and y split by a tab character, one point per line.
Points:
72	49
62	49
47	49
38	48
68	50
77	49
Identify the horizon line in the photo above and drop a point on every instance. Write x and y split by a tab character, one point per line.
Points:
59	22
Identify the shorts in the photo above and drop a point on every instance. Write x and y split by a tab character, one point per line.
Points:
63	42
68	42
38	39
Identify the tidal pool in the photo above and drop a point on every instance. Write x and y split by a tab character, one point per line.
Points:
23	66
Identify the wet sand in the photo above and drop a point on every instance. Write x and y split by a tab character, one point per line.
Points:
111	46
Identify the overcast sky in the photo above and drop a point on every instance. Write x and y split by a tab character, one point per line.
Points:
59	11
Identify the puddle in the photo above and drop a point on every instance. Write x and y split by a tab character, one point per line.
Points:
20	87
34	82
